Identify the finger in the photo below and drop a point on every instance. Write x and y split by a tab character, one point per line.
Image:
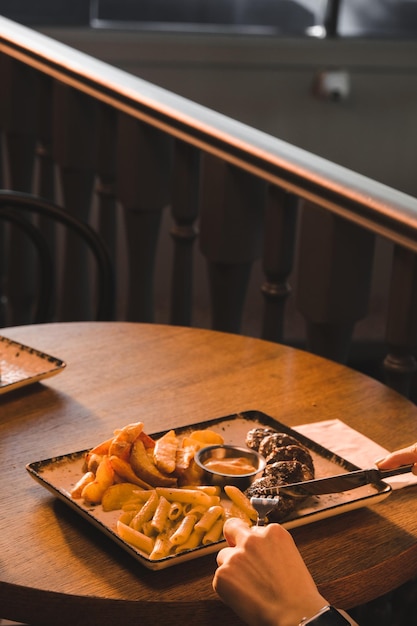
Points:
223	555
400	457
234	528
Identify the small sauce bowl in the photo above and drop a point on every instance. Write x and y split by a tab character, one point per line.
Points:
229	465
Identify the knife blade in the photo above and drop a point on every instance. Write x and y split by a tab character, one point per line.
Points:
336	483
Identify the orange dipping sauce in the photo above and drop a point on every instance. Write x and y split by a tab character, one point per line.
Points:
232	466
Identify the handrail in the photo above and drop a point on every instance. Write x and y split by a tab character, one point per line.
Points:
368	203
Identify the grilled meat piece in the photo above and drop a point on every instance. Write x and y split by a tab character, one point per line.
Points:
291	453
285	472
288	461
276	440
286	505
256	435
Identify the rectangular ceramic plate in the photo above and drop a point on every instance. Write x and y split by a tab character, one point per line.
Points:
60	474
21	365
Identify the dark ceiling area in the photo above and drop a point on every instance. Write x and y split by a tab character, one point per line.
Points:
354	18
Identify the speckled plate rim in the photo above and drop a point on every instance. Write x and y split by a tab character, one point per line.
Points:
49	365
47	474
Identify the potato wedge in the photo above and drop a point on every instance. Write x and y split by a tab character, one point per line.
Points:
147	440
192	475
164	452
86	478
116	495
94	456
184	457
121	443
206	437
101	448
144	467
93	491
126	473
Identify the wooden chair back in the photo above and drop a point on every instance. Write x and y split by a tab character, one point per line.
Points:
34	231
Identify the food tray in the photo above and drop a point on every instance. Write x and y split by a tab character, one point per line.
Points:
21	365
60	474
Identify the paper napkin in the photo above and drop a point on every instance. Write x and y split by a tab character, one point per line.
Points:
351	445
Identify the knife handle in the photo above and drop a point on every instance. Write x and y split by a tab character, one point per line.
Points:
395	472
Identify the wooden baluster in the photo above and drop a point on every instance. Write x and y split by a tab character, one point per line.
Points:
3	232
186	170
278	255
232	212
3	62
2	182
19	123
44	176
333	280
331	18
105	189
74	149
106	177
19	140
143	166
400	362
44	184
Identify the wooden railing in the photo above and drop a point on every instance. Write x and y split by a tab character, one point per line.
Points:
120	153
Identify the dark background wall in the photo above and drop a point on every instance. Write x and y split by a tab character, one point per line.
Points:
47	12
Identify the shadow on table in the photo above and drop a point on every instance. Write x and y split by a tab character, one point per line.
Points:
392	609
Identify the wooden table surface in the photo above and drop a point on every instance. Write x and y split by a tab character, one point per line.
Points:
57	568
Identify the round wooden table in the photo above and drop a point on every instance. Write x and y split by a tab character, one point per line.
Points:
56	568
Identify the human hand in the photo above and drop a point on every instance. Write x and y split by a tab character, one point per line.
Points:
262	576
404	456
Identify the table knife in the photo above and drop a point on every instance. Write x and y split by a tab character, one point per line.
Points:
337	483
